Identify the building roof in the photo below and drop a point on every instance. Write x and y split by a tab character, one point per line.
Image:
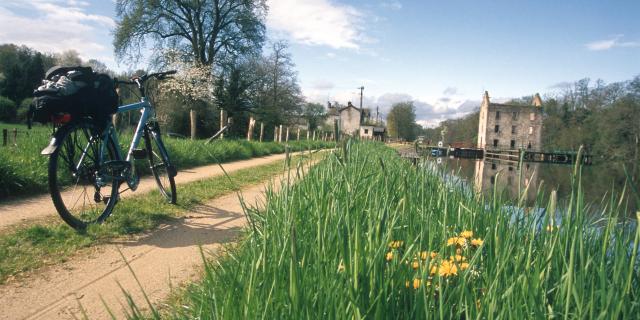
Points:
535	102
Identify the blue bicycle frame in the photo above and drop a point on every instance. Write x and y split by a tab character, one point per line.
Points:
146	110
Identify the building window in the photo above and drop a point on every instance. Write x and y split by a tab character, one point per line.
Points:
495	142
529	145
514	116
513	129
493	179
530	130
496	129
493	166
497	115
532	116
510	168
513	144
366	131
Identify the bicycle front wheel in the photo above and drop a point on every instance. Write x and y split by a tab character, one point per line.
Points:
81	192
160	166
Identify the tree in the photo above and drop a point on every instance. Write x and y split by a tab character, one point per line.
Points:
21	71
68	58
401	121
276	94
314	113
205	29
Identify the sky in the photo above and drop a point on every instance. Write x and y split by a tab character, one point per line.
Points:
442	55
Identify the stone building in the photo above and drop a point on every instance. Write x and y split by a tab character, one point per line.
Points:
508	127
349	118
371	132
506	177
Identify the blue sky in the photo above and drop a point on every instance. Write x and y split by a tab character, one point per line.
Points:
440	54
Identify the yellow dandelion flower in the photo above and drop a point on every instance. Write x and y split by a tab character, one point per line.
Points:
395	244
415	265
423	255
464	266
416	283
457	241
433	254
458	251
447	268
389	256
434	269
457	258
551	228
466	234
477	242
407	284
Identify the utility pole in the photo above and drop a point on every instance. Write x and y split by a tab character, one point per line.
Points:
361	90
377	117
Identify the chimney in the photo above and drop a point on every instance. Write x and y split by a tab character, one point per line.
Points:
537	101
485	98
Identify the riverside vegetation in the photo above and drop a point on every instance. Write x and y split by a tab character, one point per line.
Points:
367	235
23	171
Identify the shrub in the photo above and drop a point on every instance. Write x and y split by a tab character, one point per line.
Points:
7	109
23	109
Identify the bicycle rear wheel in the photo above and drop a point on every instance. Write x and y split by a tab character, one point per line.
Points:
159	163
81	192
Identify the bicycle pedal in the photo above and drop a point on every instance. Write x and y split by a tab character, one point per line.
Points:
139	153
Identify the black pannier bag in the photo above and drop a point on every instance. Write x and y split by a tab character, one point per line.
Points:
76	92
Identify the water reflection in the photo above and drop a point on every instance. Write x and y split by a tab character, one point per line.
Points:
599	182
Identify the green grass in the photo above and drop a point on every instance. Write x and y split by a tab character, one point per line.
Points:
321	250
23	171
31	247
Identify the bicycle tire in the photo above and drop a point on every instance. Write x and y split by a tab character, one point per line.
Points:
82	175
159	163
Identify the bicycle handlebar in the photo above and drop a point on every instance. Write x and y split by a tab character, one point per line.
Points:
140	80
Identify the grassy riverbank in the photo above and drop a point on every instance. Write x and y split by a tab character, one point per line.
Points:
366	235
29	248
23	171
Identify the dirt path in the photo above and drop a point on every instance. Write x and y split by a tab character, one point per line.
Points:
19	211
166	258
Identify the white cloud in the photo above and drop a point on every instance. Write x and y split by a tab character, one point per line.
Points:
317	22
427	113
56	26
391	4
612	42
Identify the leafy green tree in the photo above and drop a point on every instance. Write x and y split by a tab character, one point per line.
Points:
314	113
401	121
7	109
21	70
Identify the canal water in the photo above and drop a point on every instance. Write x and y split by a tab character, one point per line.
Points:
599	181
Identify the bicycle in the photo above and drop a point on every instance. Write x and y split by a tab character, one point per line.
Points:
87	167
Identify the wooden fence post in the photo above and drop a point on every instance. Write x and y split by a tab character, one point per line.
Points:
280	134
223	122
275	134
261	130
250	131
298	138
5	136
286	138
192	118
314	135
307	134
15	136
